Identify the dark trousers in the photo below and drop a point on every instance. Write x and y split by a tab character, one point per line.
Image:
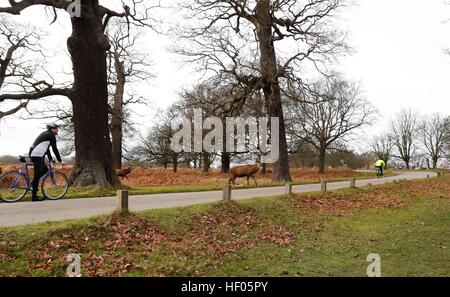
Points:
39	170
381	169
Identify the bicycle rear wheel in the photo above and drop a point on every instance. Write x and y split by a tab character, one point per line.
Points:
13	186
55	185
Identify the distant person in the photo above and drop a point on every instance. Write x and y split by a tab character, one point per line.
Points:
38	151
380	164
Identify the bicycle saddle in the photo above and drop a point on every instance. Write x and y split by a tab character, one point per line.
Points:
24	159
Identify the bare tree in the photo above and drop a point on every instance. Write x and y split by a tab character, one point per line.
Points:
155	146
260	24
20	59
447	143
433	132
328	119
216	99
88	46
383	146
302	154
212	100
405	129
126	65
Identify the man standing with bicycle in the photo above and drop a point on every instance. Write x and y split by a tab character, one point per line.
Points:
38	151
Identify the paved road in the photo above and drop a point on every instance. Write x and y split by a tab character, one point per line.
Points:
29	213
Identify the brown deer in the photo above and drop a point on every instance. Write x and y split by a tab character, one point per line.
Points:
242	171
123	173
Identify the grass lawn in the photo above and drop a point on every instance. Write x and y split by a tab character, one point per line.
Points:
407	224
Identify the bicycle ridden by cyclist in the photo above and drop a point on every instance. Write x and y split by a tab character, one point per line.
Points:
38	151
380	164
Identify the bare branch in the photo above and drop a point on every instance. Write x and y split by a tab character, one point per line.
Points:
13	110
16	7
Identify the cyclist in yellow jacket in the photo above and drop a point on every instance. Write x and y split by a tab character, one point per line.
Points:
380	164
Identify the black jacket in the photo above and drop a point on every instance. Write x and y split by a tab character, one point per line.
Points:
41	146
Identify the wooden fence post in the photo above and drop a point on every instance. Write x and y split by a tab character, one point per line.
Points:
323	185
353	183
288	188
226	193
122	201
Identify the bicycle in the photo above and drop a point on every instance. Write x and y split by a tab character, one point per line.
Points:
379	173
15	184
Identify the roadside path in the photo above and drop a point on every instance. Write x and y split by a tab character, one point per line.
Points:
30	213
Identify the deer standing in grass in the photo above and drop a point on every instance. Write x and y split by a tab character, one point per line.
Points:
244	170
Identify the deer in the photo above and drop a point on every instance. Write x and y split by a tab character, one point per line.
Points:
123	173
242	171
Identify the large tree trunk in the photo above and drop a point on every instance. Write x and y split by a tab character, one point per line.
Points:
175	162
206	163
225	156
322	154
435	161
87	46
117	117
264	169
271	85
384	157
407	163
225	162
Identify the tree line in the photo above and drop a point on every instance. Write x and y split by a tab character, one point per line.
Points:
413	136
318	134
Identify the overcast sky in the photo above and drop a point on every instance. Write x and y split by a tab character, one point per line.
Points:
398	58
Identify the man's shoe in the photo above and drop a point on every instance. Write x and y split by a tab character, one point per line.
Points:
37	199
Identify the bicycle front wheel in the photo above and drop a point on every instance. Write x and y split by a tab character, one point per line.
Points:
13	186
55	185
